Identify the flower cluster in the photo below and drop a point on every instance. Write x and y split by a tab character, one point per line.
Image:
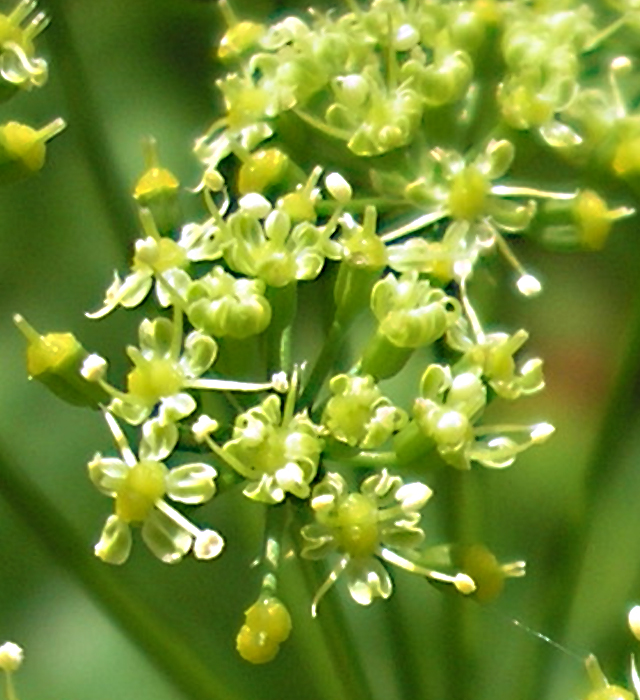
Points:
418	186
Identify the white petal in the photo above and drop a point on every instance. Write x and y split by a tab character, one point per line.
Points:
367	579
166	539
158	440
115	543
107	474
191	483
175	408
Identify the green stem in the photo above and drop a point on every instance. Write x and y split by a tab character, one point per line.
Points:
284	302
169	652
604	467
88	127
408	662
323	364
458	646
9	688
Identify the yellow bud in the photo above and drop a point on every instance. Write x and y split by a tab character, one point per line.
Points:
22	149
267	625
55	360
152	379
157	189
143	486
263	169
482	566
238	38
298	206
592	216
626	158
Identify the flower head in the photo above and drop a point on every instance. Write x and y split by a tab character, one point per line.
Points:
140	486
447	411
362	527
161	374
277	451
358	413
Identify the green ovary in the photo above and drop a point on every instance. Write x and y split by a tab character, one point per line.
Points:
357	526
152	379
143	486
272	454
468	194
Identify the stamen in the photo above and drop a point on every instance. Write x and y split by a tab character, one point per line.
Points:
227	385
227	13
292	395
527	284
21	11
415	225
216	214
232	461
119	438
463	583
331	579
37	25
510	191
619	66
471	313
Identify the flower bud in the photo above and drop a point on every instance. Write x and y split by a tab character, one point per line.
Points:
56	360
22	149
157	190
267	625
263	169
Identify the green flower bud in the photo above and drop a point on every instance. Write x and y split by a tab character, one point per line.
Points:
157	190
55	360
239	38
365	255
222	305
267	625
358	413
263	169
22	149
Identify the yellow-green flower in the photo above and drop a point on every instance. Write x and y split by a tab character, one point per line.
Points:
140	485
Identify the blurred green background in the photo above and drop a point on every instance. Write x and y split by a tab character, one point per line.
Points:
120	71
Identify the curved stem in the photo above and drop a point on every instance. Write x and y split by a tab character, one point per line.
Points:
164	647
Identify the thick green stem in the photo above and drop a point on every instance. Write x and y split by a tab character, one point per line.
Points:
168	651
459	526
323	365
87	125
601	477
284	302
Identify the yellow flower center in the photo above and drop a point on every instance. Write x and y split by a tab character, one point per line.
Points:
165	256
468	194
150	380
143	486
357	525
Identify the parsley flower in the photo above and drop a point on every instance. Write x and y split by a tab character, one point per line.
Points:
378	522
139	487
